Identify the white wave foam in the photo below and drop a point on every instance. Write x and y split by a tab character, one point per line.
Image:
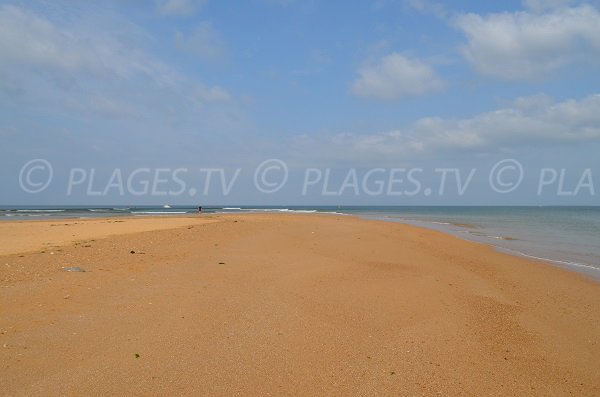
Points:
567	263
40	210
159	212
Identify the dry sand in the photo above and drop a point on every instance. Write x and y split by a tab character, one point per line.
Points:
263	304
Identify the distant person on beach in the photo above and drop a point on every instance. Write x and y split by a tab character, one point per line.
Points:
200	209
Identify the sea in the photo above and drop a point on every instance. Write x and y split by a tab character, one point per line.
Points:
564	236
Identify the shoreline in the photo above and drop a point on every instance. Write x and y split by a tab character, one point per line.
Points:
580	268
587	270
276	303
569	246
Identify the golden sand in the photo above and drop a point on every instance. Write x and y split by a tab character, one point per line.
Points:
262	304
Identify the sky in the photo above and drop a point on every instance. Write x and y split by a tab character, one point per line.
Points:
289	102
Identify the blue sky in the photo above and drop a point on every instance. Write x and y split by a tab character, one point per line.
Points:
317	84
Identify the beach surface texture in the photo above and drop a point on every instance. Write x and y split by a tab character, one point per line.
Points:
285	304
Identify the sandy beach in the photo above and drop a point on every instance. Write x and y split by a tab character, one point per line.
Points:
280	304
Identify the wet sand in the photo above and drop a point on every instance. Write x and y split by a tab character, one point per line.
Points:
279	304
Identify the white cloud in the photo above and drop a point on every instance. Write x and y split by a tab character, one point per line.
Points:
533	121
26	38
396	76
31	40
543	5
428	7
528	45
103	106
204	42
211	94
80	59
178	7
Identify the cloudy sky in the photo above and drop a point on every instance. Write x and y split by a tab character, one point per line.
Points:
327	85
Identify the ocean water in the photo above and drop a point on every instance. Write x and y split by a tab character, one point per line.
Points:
565	236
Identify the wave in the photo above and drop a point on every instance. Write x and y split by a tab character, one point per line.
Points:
226	210
108	209
567	263
22	215
480	234
40	210
159	212
265	209
278	210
